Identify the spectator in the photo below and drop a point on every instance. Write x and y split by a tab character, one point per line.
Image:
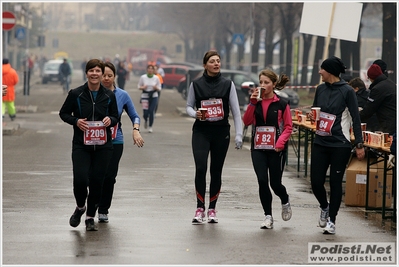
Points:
362	94
64	73
10	79
83	67
381	101
121	73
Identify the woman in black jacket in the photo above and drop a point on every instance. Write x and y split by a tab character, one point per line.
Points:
91	109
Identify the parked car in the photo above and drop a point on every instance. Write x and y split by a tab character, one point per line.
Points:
239	77
173	74
50	70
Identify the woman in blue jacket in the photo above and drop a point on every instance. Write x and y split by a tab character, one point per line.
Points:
125	103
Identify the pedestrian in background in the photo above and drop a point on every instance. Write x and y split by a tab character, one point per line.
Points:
381	101
160	77
211	135
121	74
83	67
332	144
362	94
270	116
10	79
92	110
150	85
124	103
64	72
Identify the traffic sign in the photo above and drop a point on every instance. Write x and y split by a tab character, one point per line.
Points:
238	39
9	20
20	33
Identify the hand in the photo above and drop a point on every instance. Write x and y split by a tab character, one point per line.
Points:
137	139
107	121
82	124
360	153
238	141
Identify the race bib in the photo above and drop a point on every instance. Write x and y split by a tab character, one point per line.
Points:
96	134
325	124
265	137
145	103
114	130
215	109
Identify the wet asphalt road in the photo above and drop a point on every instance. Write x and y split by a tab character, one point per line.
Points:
154	200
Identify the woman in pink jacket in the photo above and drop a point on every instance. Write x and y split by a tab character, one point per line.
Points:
10	78
271	122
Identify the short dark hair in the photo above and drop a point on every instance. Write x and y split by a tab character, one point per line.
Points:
111	66
357	82
5	61
208	55
92	63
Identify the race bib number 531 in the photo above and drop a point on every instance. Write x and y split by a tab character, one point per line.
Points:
96	134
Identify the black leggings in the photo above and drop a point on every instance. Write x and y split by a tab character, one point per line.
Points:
215	140
265	163
89	167
336	158
110	180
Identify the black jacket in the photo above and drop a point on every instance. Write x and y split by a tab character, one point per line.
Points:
340	100
79	105
382	101
362	96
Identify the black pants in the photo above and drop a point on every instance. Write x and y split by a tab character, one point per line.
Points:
336	158
89	168
214	141
269	165
110	180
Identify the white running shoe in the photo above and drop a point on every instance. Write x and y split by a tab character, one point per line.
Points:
330	228
150	130
324	214
212	216
286	211
267	223
102	218
199	216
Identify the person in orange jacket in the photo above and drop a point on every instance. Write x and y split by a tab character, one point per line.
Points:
10	78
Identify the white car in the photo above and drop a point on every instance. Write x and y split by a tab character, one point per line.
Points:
50	70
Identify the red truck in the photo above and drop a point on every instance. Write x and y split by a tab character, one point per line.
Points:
141	57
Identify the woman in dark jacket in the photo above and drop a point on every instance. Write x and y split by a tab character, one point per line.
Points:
91	109
332	143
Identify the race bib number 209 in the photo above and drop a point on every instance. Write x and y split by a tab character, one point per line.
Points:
96	134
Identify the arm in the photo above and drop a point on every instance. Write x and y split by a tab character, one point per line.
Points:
373	103
235	110
191	102
287	129
249	117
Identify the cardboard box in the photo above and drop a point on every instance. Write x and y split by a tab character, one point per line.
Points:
356	183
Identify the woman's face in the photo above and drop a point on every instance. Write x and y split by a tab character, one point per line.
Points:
212	66
325	75
94	75
150	70
108	78
266	83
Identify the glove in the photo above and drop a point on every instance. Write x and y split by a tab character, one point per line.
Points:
238	141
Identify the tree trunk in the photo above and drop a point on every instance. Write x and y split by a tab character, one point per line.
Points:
317	61
389	38
255	49
307	44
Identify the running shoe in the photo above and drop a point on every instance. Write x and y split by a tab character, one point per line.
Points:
74	221
286	211
330	228
90	225
324	214
102	218
267	223
150	130
199	216
212	216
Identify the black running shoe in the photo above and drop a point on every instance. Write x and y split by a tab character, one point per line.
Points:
74	221
90	226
